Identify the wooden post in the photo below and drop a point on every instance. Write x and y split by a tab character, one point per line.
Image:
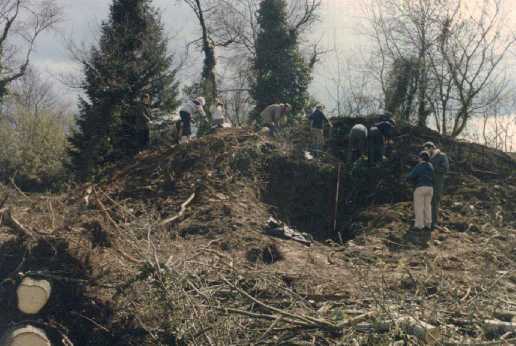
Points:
336	209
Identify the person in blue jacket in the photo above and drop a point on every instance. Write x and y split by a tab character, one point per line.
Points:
422	176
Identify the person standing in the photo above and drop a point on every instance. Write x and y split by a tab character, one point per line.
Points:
422	176
186	112
217	114
317	120
357	142
441	166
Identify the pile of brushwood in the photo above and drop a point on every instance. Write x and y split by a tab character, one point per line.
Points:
172	248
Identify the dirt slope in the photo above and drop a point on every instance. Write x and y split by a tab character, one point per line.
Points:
125	276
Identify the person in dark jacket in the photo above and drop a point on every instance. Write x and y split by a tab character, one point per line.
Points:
380	136
441	166
317	120
422	176
357	142
375	145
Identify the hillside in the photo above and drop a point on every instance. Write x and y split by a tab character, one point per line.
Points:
172	248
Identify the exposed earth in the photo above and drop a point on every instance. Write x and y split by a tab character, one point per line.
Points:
170	248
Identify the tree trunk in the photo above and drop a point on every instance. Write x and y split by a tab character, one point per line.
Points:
209	83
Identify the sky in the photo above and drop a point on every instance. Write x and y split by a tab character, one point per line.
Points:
82	20
341	27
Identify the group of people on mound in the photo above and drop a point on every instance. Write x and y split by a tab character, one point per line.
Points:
191	112
191	109
376	143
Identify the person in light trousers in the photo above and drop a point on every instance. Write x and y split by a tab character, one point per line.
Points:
422	176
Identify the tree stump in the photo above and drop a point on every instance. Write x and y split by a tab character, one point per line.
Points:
25	336
33	295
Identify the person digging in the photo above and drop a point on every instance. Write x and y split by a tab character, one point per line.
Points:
317	120
186	112
274	115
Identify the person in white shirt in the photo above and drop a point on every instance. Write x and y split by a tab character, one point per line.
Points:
186	112
218	113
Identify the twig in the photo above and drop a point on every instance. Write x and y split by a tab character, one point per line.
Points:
9	220
487	343
2	203
314	322
181	212
114	224
95	323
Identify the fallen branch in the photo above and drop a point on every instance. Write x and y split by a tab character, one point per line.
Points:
181	212
410	325
2	203
495	326
108	217
305	320
7	219
500	342
505	315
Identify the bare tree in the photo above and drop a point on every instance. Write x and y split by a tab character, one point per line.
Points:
458	53
473	49
21	23
208	82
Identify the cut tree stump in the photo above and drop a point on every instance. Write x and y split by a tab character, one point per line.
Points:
25	336
33	295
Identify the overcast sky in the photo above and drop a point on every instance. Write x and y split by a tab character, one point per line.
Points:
341	24
83	17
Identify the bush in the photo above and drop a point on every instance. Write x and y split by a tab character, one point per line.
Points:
33	128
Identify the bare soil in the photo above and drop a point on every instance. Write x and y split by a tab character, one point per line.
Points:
213	277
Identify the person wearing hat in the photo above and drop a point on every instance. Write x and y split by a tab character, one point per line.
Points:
275	114
187	110
422	177
441	166
217	113
317	120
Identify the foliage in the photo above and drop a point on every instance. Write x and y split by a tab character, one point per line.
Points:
33	145
130	60
281	74
401	88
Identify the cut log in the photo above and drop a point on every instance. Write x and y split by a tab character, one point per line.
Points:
424	331
33	295
427	333
498	327
25	336
505	315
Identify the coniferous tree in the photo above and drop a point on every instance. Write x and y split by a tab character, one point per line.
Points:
130	60
281	74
